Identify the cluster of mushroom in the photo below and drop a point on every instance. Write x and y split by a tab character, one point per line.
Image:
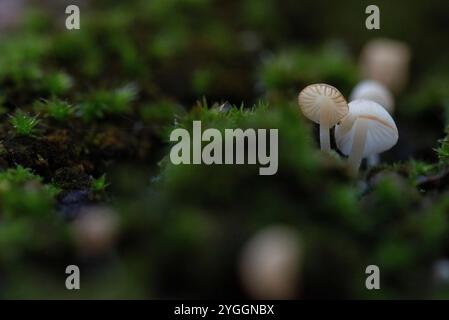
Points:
363	127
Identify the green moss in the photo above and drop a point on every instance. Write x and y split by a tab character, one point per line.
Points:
22	193
418	169
443	150
57	83
99	185
19	175
55	108
24	124
103	102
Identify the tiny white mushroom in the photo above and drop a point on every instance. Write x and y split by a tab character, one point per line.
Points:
367	129
374	91
324	105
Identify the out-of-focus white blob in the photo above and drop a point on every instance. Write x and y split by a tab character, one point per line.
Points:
441	271
95	230
386	61
10	13
270	264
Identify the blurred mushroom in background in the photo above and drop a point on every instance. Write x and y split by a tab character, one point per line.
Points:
374	91
386	61
10	13
440	272
95	230
270	264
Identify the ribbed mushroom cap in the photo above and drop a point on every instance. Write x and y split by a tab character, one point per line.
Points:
314	98
374	91
382	133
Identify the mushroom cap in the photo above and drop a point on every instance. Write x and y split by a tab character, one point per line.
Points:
381	135
316	96
374	91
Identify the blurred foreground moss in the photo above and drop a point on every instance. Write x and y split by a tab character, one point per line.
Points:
391	225
183	235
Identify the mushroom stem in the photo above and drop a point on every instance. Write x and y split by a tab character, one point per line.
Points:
325	141
358	145
373	160
324	137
